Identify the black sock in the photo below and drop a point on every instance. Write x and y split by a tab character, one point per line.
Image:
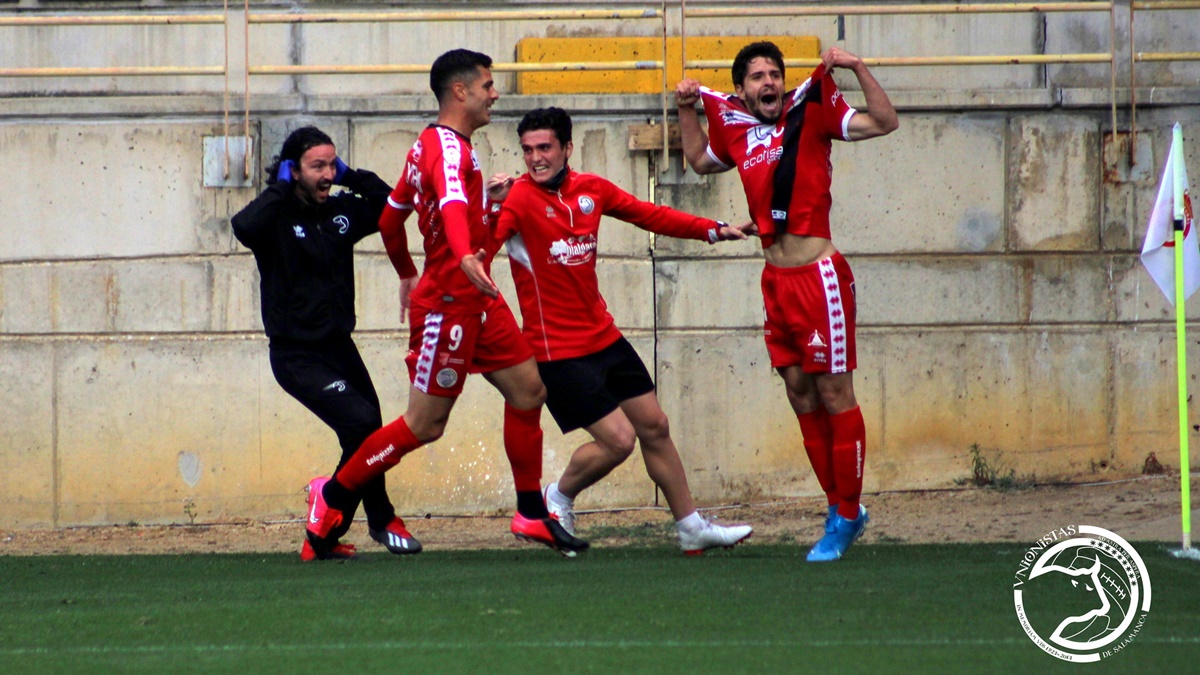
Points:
530	505
337	496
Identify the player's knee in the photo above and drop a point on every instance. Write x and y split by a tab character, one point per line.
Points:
619	446
803	402
529	398
427	431
622	452
655	429
838	400
537	396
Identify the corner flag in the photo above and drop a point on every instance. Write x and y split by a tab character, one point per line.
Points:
1158	252
1171	246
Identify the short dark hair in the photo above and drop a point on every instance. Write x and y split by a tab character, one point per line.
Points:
754	50
554	119
297	143
456	65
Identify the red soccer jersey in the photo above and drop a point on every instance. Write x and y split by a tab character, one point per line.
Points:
552	237
738	139
443	182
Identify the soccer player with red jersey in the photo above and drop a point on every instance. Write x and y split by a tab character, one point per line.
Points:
459	322
594	379
779	141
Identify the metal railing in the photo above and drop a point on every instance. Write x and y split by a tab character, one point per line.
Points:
924	9
1136	57
470	15
653	11
114	20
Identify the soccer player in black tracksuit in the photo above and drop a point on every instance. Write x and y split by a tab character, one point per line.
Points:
303	241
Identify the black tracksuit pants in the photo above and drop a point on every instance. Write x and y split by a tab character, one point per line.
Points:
329	378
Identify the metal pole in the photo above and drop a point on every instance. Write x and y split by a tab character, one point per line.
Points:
111	20
225	137
246	98
666	154
418	69
1168	56
1132	94
111	71
682	37
996	59
385	17
1167	4
978	8
1112	67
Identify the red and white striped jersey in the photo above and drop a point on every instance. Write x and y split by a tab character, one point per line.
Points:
737	139
443	182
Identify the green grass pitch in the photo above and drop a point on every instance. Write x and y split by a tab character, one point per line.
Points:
755	609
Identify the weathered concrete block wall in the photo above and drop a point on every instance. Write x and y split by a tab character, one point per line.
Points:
994	239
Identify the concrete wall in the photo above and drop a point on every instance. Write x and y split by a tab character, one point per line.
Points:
994	239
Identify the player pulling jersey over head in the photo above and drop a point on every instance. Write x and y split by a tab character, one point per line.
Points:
784	163
779	141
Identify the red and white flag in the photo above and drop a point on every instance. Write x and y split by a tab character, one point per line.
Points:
1158	252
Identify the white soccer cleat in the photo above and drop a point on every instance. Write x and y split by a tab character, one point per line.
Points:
565	514
712	536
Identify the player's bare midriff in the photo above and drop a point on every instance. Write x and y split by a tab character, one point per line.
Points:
792	250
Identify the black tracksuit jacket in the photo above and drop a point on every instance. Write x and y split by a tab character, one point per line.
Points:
305	254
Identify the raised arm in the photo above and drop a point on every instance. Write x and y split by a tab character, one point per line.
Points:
373	189
695	141
253	222
880	118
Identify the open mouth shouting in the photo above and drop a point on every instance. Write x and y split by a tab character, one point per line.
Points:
770	103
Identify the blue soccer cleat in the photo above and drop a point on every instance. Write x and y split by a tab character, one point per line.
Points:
829	519
839	535
829	530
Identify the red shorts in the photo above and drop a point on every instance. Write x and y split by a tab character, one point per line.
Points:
444	347
810	316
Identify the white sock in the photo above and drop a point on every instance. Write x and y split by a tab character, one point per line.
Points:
691	524
559	498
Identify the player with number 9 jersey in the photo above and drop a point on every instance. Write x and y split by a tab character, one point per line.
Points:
456	329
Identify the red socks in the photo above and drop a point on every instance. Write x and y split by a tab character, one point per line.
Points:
836	447
523	445
818	443
381	451
849	452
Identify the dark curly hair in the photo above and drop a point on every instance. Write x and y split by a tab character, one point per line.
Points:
298	142
754	50
554	119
